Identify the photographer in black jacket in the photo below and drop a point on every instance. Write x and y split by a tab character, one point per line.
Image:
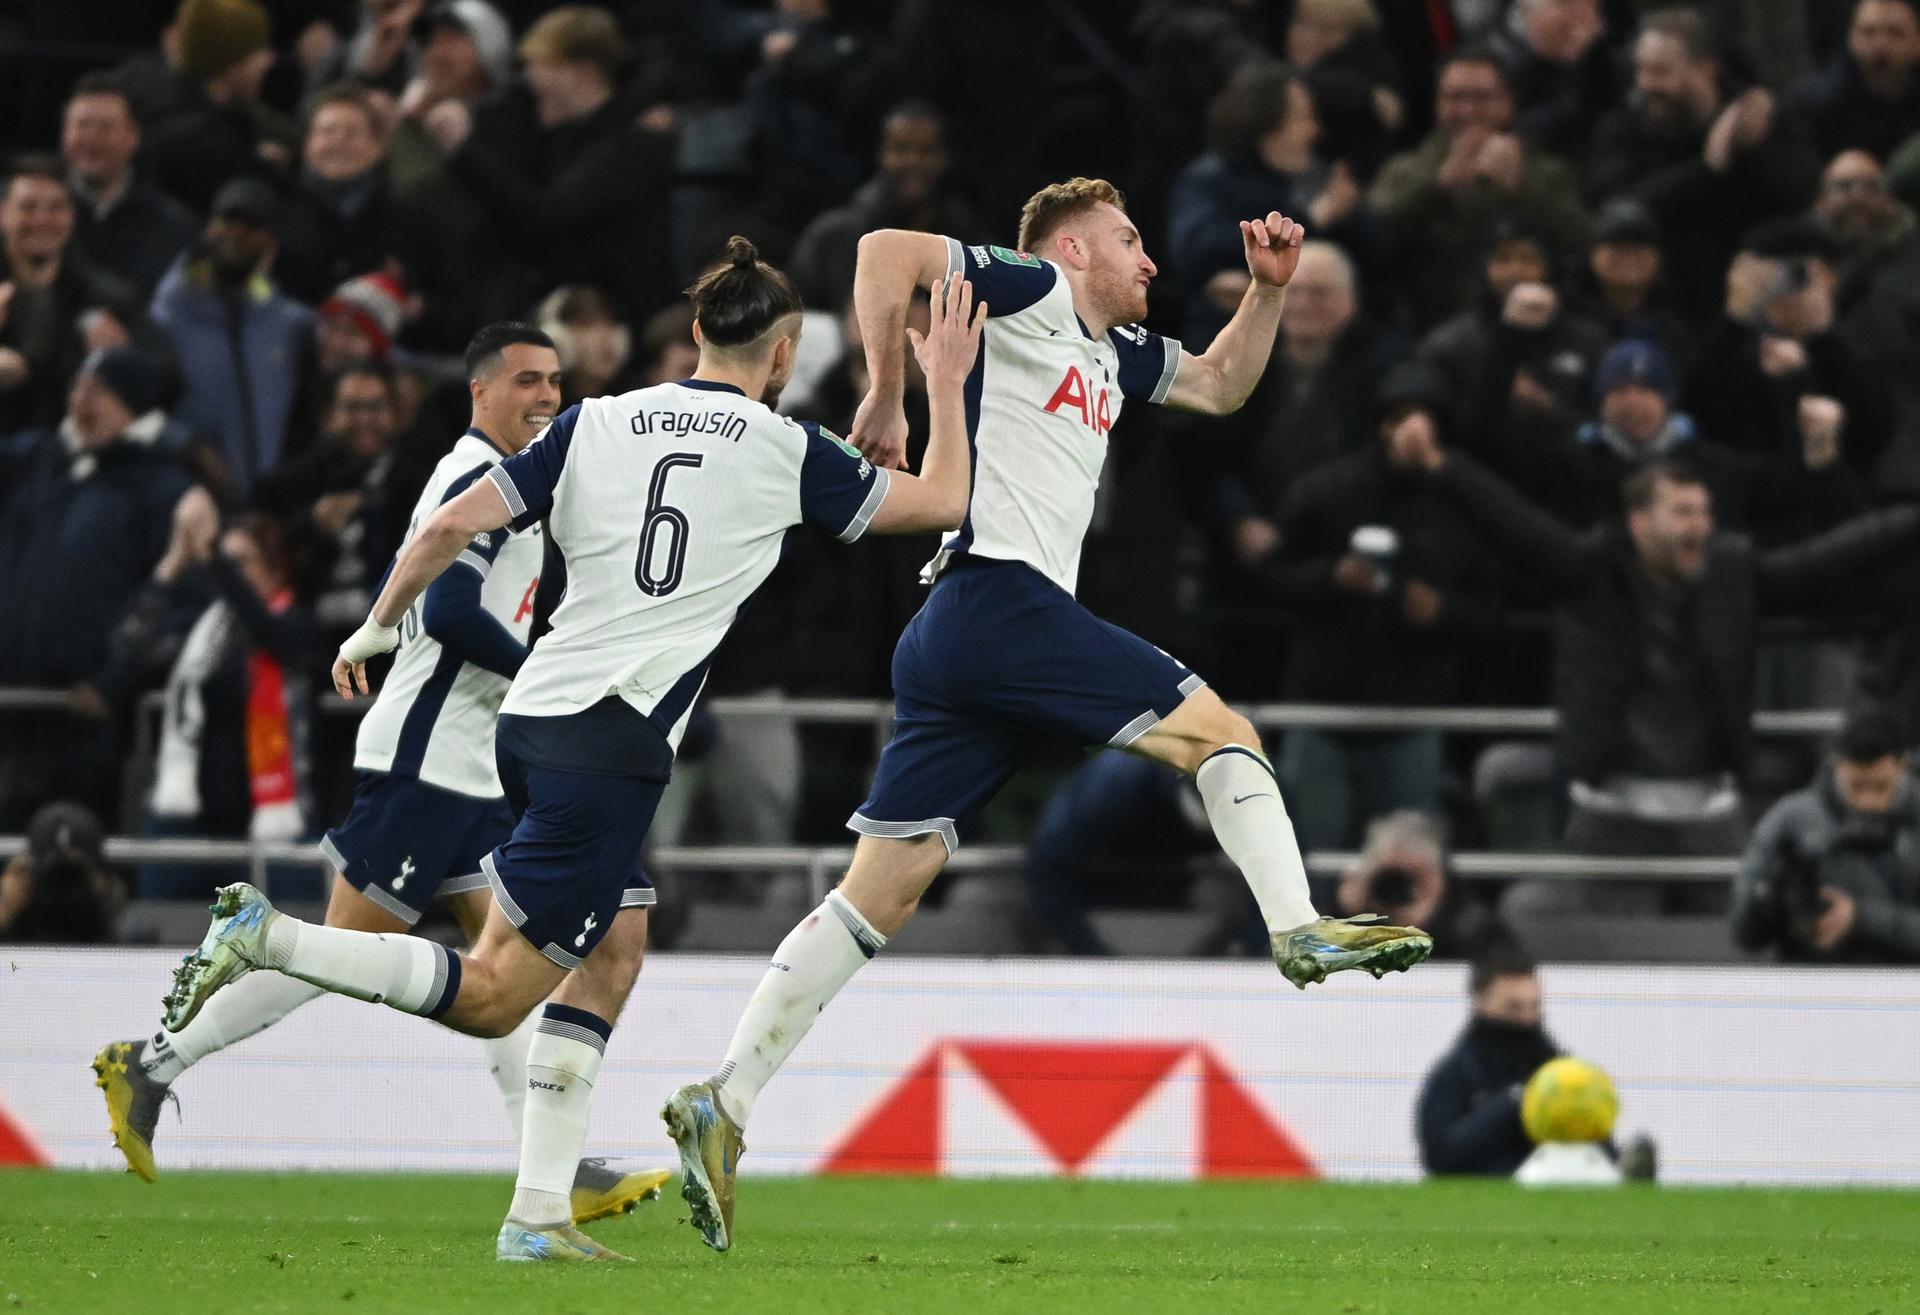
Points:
1833	872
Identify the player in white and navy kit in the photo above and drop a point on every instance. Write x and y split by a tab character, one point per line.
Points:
669	506
428	805
1002	657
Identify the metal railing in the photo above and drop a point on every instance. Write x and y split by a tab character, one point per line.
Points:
822	862
1277	716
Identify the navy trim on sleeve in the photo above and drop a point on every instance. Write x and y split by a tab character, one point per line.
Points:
1008	281
1147	362
840	490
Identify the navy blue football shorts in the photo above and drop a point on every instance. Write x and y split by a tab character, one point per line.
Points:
405	843
573	860
999	661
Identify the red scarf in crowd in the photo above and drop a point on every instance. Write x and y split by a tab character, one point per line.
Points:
276	805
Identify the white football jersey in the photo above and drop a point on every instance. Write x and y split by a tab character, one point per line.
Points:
668	505
1040	401
433	719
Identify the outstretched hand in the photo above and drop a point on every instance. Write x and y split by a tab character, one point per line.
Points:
952	342
1272	247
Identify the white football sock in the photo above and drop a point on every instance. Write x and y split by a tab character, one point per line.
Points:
407	973
562	1062
1249	820
507	1060
253	1004
818	957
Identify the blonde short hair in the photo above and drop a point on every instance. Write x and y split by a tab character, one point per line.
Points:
1050	207
575	34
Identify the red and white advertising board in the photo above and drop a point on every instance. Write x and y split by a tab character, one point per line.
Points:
1130	1068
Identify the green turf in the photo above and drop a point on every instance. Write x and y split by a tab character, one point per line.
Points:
214	1243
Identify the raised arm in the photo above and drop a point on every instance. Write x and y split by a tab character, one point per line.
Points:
439	541
891	263
937	499
1218	381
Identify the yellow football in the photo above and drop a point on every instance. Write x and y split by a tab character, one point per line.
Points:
1569	1100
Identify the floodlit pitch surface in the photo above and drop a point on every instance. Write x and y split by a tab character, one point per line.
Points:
207	1243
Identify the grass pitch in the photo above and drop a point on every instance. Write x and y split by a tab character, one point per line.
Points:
215	1243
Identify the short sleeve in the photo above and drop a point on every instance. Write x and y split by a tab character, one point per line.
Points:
1008	281
840	490
527	478
484	546
1147	362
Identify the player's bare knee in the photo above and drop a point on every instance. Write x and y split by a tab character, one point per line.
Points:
1236	729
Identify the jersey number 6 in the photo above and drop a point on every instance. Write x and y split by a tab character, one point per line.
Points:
656	580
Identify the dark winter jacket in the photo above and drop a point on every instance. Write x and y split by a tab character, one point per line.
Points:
1702	214
1844	114
1875	858
79	535
135	239
1600	651
45	326
1350	648
1468	1118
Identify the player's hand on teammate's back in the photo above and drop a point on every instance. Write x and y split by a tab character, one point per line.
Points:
952	343
350	668
1273	248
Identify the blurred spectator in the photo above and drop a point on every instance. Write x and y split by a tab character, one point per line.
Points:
201	115
817	73
1260	132
1867	229
1316	400
913	189
239	339
233	757
342	220
1472	171
1117	833
342	502
667	349
585	198
85	509
1774	374
1402	875
1356	88
383	52
468	59
1623	287
595	346
1833	871
1708	165
357	322
1560	350
1468	1118
1575	462
54	306
61	889
1656	637
1868	96
1187	51
1560	70
122	223
1387	586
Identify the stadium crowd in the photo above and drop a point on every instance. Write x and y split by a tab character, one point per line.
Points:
1596	388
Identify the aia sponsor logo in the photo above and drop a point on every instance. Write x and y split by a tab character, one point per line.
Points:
1076	396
